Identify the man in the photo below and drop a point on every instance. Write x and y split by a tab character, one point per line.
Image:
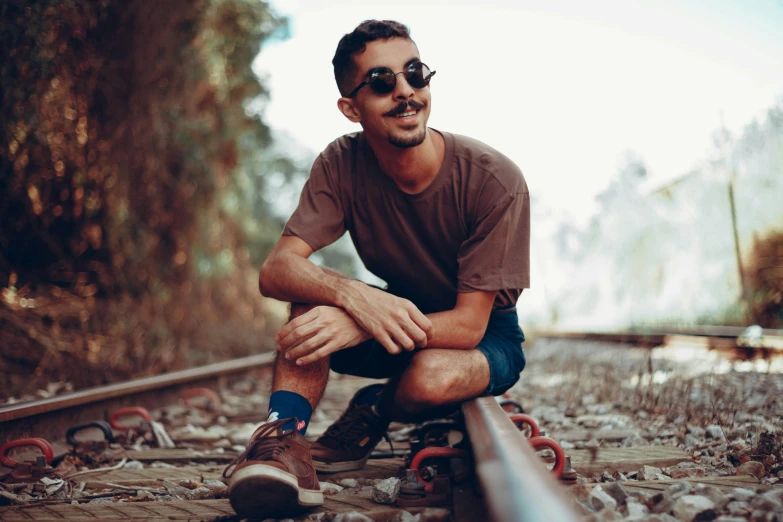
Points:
444	220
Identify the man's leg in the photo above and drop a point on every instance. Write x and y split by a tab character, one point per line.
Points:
434	380
309	380
297	390
425	384
261	483
431	380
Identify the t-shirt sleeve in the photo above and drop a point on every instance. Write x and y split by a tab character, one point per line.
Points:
496	255
319	219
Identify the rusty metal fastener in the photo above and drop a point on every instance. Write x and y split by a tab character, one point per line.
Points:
42	444
212	398
427	453
28	471
411	481
428	473
568	476
520	420
124	412
70	435
435	434
540	443
510	406
440	494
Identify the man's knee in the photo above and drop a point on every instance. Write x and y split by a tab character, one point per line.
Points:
427	382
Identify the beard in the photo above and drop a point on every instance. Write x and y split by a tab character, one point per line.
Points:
406	142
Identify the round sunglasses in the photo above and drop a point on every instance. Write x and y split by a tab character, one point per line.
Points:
382	80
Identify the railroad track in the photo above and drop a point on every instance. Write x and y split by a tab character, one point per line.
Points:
740	343
513	482
496	473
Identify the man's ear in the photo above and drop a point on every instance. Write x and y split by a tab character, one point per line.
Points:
349	109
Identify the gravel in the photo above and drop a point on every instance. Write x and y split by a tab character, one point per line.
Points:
728	420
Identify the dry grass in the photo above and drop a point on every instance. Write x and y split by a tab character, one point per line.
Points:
765	275
50	334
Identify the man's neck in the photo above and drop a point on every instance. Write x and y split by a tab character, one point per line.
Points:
413	169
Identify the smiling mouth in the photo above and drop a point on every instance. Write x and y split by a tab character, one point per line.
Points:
406	109
406	114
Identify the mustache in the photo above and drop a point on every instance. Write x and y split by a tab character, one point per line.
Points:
404	106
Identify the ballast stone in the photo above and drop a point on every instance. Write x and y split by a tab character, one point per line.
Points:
386	491
600	500
688	506
742	494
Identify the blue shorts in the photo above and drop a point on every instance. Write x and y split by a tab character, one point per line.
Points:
501	344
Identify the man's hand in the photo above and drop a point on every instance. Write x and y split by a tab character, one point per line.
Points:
318	333
394	322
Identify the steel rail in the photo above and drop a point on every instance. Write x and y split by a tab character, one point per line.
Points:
48	418
718	338
516	484
708	331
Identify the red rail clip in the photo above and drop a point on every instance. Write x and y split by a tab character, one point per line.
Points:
124	412
38	442
520	419
430	452
540	443
510	406
214	400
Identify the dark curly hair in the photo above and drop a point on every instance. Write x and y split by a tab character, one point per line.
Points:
355	42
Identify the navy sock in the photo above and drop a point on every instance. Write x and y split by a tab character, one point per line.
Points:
369	395
284	404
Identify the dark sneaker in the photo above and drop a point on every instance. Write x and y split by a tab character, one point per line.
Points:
348	442
274	476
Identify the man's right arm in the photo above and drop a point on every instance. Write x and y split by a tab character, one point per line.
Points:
287	275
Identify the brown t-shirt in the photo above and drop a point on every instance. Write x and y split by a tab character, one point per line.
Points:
468	230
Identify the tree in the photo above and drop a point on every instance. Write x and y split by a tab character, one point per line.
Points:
125	127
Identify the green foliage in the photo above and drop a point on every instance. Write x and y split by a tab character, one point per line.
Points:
125	119
124	141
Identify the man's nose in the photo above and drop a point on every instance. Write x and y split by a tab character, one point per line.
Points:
402	89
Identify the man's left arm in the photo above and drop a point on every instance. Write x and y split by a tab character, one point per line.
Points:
463	327
459	329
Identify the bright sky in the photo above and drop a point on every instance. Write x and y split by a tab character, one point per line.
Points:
564	88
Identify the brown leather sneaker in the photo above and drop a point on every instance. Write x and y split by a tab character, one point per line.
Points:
348	442
274	476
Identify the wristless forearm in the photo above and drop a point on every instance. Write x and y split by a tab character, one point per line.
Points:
454	330
291	278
